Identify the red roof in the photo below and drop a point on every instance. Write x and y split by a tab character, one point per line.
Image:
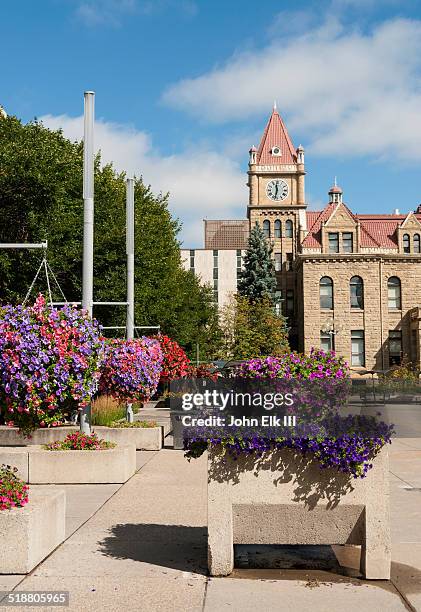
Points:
377	231
276	135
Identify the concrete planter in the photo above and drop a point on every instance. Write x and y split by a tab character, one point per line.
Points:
38	466
284	498
31	533
10	436
143	438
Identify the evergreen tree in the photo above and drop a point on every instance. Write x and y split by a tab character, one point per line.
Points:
257	279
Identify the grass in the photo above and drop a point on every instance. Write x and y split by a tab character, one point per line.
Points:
106	410
142	424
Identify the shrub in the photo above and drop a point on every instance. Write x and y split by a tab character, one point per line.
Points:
79	441
49	359
132	369
13	491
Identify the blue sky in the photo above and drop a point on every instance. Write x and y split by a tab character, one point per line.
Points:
184	88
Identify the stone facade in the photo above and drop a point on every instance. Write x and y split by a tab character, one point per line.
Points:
346	281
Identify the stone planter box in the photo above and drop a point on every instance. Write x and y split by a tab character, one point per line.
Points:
10	436
31	533
283	498
38	466
144	438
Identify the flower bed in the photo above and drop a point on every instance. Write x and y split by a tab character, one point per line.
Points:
13	491
79	441
351	452
132	369
175	363
50	359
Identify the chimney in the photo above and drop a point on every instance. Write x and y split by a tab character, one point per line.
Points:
396	211
418	210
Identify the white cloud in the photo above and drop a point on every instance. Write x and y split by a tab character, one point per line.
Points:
202	183
350	92
104	12
110	12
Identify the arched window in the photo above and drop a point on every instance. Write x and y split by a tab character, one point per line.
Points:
288	228
278	229
326	293
394	293
356	292
266	228
417	248
406	243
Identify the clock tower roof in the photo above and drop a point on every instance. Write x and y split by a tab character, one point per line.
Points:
276	146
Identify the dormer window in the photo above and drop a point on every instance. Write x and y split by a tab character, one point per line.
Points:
276	151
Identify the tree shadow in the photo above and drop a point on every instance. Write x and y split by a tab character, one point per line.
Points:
311	483
173	546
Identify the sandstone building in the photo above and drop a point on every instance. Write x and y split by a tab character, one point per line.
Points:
350	282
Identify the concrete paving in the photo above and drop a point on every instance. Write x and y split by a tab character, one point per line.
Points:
142	547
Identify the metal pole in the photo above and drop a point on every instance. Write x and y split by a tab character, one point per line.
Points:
88	225
24	245
130	272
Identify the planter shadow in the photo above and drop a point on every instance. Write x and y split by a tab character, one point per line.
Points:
328	486
177	547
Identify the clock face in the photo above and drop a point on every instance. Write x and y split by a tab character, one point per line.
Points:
277	190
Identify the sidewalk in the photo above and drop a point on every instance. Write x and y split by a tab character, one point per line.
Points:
143	548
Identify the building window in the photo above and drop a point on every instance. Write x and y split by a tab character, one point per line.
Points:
327	341
192	259
278	229
215	276
347	242
290	302
333	242
326	293
395	347
239	264
406	243
417	248
288	263
394	293
288	229
356	290
278	262
266	228
357	348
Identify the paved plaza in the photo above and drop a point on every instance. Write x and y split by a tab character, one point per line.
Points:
142	547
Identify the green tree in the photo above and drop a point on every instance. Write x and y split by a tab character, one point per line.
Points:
41	199
257	279
253	329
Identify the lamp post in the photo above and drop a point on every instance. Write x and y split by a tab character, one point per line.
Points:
330	328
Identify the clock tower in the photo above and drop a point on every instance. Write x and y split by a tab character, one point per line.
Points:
276	181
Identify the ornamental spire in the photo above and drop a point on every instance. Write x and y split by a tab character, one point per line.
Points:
276	146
